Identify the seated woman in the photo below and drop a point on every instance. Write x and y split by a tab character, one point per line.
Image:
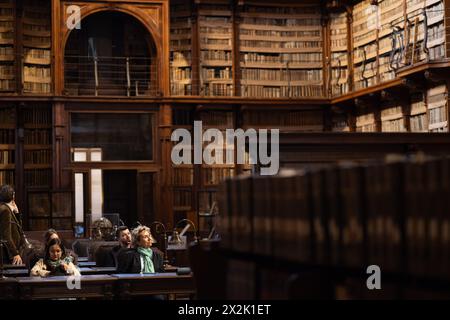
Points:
141	258
39	251
55	262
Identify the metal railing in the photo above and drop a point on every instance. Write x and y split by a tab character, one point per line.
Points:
110	76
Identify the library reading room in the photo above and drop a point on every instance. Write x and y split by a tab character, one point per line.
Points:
269	150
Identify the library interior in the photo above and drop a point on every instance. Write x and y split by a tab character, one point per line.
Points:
92	94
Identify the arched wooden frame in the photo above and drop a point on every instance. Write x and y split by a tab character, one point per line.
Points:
141	16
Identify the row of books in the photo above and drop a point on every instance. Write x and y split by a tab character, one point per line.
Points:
224	73
217	89
183	176
38	156
281	34
287	22
7	177
317	45
38	177
282	91
282	75
213	176
180	89
217	118
273	120
281	57
182	197
180	73
7	136
389	214
7	85
36	136
38	115
7	156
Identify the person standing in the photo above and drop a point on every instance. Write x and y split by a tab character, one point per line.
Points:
10	227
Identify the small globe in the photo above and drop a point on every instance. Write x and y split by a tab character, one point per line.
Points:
101	229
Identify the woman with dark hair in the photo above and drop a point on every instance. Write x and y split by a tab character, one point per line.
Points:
56	262
39	251
10	227
50	234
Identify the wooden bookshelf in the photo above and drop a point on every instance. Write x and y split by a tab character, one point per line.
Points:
295	120
183	175
37	146
339	78
181	48
365	47
36	27
280	50
215	32
7	46
7	145
437	108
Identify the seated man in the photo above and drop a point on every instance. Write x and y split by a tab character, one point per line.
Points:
141	258
106	256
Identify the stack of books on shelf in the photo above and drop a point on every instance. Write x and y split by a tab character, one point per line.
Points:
7	145
215	40
392	119
418	115
180	48
37	76
437	104
7	55
435	30
366	22
390	14
37	123
365	120
304	120
339	53
281	50
341	219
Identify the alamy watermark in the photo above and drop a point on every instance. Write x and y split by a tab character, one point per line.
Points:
263	148
73	282
74	19
374	281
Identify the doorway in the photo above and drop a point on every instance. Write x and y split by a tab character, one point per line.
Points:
120	194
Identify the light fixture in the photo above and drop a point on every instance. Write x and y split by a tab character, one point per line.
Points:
176	238
164	231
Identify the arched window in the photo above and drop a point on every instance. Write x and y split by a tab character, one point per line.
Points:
112	54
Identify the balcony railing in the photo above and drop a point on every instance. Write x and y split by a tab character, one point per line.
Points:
110	76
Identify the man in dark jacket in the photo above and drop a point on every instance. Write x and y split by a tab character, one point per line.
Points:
10	228
106	255
141	258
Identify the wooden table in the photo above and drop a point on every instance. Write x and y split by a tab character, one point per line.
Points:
169	283
9	289
98	270
86	264
91	286
13	266
16	273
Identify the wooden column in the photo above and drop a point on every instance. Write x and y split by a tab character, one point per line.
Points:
237	75
195	50
350	48
19	45
62	175
326	51
165	211
57	49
